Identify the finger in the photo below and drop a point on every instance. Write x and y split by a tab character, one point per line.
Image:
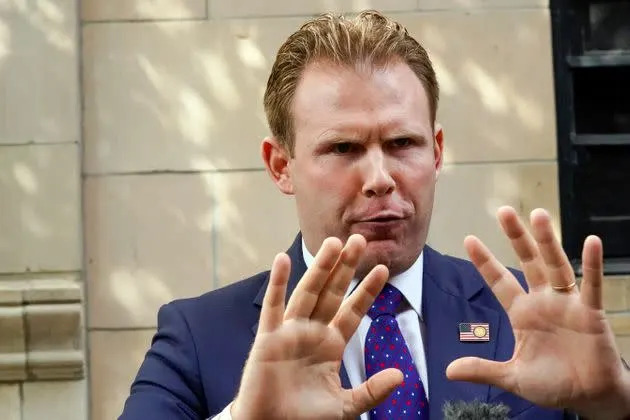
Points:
372	392
560	273
502	283
481	371
356	306
306	294
593	272
272	310
339	279
524	245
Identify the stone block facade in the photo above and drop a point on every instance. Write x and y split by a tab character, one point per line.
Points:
130	172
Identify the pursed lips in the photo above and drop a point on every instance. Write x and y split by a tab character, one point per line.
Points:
384	225
381	217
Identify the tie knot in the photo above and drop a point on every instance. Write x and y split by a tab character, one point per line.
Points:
386	302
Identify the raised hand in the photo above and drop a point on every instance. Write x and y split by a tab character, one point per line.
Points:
293	368
565	354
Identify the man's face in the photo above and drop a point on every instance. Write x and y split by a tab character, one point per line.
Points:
366	160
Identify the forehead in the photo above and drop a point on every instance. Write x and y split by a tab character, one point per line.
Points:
363	100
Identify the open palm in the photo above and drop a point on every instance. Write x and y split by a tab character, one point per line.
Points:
565	341
565	354
293	368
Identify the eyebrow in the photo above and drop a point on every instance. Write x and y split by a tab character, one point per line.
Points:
335	134
406	134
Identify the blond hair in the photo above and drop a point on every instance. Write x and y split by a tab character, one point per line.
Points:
369	38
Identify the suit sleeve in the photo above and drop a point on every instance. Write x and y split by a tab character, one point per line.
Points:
168	384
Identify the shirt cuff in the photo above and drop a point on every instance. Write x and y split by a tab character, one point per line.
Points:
225	414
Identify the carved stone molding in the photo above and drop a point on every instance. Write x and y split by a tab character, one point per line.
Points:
12	343
41	329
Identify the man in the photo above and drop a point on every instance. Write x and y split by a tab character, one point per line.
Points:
352	107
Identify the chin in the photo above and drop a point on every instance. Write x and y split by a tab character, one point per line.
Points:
386	255
395	257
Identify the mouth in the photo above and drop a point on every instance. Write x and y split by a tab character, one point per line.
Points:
379	223
382	219
380	228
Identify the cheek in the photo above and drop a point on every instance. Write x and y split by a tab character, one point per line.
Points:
419	182
325	193
333	182
334	199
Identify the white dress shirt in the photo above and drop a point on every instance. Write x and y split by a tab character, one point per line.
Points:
409	320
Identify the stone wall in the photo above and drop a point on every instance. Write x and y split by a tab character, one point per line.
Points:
130	173
42	328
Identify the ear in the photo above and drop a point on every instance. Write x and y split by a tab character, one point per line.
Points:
277	160
438	149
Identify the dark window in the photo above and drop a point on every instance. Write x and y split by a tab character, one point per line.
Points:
608	28
592	73
602	100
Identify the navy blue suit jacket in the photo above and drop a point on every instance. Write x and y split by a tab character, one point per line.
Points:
194	365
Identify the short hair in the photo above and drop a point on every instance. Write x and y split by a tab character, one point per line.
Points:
369	38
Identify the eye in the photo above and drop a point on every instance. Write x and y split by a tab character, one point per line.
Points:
401	142
343	148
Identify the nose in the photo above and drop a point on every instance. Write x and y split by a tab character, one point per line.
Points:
377	179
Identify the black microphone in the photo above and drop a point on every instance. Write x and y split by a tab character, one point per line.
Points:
475	410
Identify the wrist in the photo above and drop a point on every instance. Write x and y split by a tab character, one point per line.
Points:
624	394
617	403
625	414
235	411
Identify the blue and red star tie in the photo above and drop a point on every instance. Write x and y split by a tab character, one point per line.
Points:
385	348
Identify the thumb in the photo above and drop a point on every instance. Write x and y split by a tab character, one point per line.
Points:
373	392
481	371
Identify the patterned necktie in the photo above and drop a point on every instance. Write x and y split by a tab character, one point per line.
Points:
385	348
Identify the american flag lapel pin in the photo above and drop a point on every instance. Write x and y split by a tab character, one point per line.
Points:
474	331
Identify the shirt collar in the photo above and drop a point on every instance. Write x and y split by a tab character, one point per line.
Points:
409	282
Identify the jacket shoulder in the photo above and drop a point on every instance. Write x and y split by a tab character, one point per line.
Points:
235	297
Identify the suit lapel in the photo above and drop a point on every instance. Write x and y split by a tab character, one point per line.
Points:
298	268
447	300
